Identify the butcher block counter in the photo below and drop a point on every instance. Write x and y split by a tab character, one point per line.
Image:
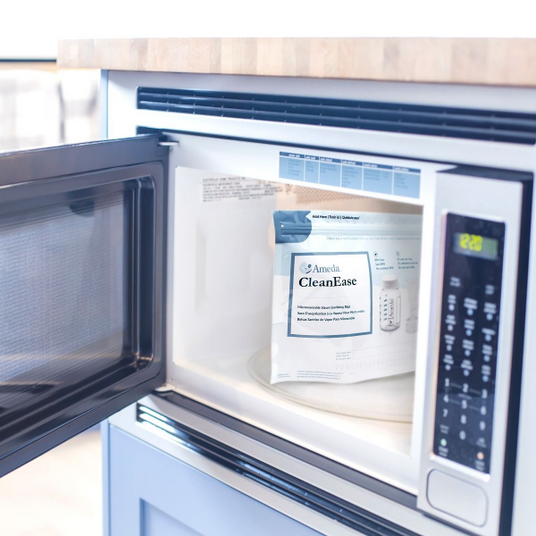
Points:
507	62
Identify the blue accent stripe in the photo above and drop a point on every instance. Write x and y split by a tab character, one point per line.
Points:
351	174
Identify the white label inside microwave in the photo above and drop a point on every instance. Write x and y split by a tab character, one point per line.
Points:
237	189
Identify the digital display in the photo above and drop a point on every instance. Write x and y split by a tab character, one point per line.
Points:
475	245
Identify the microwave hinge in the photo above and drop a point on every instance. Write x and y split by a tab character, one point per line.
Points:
166	388
167	141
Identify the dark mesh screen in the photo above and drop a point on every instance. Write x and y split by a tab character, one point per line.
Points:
63	296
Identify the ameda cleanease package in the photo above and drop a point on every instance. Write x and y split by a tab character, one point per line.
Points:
345	296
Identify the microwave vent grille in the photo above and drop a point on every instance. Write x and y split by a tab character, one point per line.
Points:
466	123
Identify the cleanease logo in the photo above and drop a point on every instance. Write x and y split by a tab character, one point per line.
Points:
330	294
310	269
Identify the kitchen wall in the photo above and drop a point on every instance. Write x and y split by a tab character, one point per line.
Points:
41	105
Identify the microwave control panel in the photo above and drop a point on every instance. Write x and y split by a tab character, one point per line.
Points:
468	345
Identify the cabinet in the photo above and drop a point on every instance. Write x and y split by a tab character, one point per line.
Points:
150	493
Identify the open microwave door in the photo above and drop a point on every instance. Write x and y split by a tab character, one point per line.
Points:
82	288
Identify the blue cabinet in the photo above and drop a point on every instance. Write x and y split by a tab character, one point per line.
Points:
150	493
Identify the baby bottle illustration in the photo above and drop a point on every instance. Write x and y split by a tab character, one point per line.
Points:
413	305
390	303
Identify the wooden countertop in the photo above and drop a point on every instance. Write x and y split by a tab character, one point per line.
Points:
510	62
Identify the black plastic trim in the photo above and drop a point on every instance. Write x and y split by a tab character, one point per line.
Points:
37	175
442	121
514	405
312	458
266	475
54	162
491	173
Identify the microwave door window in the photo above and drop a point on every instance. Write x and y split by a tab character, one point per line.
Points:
63	277
82	288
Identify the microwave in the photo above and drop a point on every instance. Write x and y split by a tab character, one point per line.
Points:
136	284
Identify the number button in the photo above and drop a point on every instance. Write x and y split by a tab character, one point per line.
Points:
455	282
490	290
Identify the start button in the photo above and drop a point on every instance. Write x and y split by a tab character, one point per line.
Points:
457	498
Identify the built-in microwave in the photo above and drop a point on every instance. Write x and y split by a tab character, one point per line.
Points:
143	265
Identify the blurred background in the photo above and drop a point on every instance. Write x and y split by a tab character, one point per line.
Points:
42	105
57	494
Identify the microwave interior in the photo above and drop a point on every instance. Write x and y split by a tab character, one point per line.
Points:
221	264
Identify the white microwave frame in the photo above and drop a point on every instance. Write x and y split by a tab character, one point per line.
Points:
122	117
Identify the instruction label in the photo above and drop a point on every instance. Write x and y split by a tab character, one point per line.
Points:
350	174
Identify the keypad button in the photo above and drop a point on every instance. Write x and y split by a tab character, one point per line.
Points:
490	290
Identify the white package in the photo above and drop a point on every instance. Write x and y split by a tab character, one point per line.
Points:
345	296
